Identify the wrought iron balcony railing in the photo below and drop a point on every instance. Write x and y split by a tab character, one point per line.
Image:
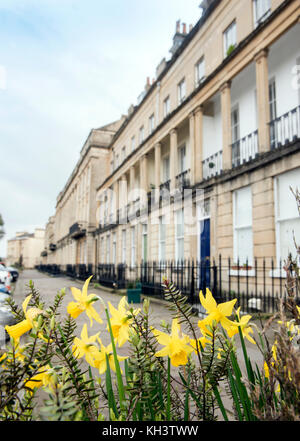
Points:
285	128
77	230
245	149
183	179
212	166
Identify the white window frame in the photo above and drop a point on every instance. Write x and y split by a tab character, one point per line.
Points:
141	134
144	234
167	107
199	71
162	239
240	227
178	237
279	219
151	123
165	168
108	248
102	250
114	248
123	153
133	247
182	160
124	246
132	143
261	12
181	89
229	37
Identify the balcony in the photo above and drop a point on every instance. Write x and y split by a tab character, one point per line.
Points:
183	179
77	230
245	149
212	166
285	129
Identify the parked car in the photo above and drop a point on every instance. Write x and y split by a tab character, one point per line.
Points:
5	289
5	276
13	271
6	318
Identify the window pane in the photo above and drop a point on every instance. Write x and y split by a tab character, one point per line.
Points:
244	245
243	207
287	206
287	230
180	249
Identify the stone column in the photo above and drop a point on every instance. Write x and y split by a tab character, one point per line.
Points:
157	161
144	179
262	93
173	158
226	125
117	202
132	183
192	148
198	127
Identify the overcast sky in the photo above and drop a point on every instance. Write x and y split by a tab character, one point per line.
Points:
67	66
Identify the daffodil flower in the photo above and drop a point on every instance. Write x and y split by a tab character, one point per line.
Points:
201	343
216	312
177	347
16	331
243	324
100	361
121	320
84	303
42	378
85	346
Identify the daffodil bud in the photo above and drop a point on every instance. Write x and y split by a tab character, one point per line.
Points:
52	323
40	321
146	305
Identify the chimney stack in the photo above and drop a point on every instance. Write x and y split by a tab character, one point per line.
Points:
184	28
190	27
178	27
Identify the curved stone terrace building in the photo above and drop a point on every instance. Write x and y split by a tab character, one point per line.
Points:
221	121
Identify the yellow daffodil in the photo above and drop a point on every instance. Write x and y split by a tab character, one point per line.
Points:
84	303
177	347
243	324
85	346
216	312
201	343
42	378
16	331
100	358
121	320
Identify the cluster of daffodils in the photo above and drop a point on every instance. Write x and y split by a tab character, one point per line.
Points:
91	347
293	332
179	347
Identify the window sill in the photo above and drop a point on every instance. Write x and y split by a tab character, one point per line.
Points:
277	273
242	272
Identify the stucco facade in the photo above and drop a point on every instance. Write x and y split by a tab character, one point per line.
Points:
25	248
221	121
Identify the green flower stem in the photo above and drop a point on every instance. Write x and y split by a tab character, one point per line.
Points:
169	391
121	389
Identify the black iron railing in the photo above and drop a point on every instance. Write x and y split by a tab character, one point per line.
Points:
257	286
183	179
285	129
213	165
245	149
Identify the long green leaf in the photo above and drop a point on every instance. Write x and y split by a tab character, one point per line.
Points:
220	403
169	391
242	391
109	389
121	389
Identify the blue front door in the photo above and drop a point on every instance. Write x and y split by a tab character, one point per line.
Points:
204	254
